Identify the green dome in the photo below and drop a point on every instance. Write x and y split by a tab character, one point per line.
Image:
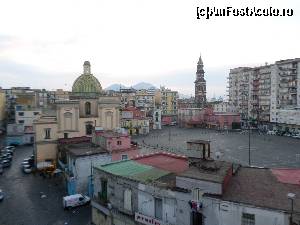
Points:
86	83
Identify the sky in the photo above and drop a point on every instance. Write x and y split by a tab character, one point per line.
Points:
43	44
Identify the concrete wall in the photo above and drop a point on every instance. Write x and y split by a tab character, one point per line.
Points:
219	212
206	186
146	202
80	167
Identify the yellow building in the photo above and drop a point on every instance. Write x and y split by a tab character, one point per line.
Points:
2	109
167	100
77	117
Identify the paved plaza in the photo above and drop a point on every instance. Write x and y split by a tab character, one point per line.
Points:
266	150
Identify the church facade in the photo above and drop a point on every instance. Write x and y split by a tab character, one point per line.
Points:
87	107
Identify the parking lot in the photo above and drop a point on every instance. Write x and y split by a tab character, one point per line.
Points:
266	150
34	200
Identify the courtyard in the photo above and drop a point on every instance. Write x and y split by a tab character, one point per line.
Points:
265	150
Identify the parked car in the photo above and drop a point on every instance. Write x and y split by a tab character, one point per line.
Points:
27	169
296	136
1	195
271	132
10	147
75	200
6	163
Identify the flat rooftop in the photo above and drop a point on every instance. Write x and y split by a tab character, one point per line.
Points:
133	170
84	149
165	161
208	170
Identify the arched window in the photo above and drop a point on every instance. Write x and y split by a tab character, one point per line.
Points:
87	108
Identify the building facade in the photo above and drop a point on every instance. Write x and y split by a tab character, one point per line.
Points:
268	94
87	108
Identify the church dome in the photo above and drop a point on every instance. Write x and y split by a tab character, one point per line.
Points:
86	83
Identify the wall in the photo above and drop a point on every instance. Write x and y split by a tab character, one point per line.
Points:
218	212
206	186
146	202
82	168
45	151
131	153
2	106
28	117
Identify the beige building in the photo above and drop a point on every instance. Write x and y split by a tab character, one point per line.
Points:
2	108
77	117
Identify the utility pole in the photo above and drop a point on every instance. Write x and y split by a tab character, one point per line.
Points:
249	144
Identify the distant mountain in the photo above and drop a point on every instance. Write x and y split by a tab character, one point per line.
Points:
138	86
143	85
115	87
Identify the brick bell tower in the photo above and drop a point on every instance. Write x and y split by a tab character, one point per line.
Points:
200	85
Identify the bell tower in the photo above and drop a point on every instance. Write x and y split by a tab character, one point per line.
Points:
200	85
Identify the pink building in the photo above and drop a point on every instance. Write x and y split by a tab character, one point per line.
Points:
118	144
196	117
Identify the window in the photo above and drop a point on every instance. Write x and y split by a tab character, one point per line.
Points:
66	135
21	113
87	108
47	133
36	113
103	193
248	219
119	142
158	208
196	194
124	157
127	200
88	129
21	121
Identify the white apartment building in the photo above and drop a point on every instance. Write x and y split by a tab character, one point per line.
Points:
269	94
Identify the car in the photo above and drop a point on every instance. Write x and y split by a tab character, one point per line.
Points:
1	168
27	169
1	195
7	157
6	163
297	136
8	152
10	147
75	200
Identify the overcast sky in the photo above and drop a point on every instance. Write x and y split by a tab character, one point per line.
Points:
43	44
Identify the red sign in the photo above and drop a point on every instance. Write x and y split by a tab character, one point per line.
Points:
146	219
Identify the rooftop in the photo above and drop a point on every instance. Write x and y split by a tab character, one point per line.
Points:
110	134
165	161
84	149
209	170
133	170
260	187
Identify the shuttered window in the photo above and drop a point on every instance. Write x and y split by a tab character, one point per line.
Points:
127	199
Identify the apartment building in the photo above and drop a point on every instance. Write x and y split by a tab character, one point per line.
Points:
268	94
167	100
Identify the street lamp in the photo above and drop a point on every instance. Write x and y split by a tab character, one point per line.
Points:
249	144
291	196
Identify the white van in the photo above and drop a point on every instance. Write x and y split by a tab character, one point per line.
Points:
75	200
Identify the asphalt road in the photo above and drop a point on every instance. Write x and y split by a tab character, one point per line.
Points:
266	151
23	204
